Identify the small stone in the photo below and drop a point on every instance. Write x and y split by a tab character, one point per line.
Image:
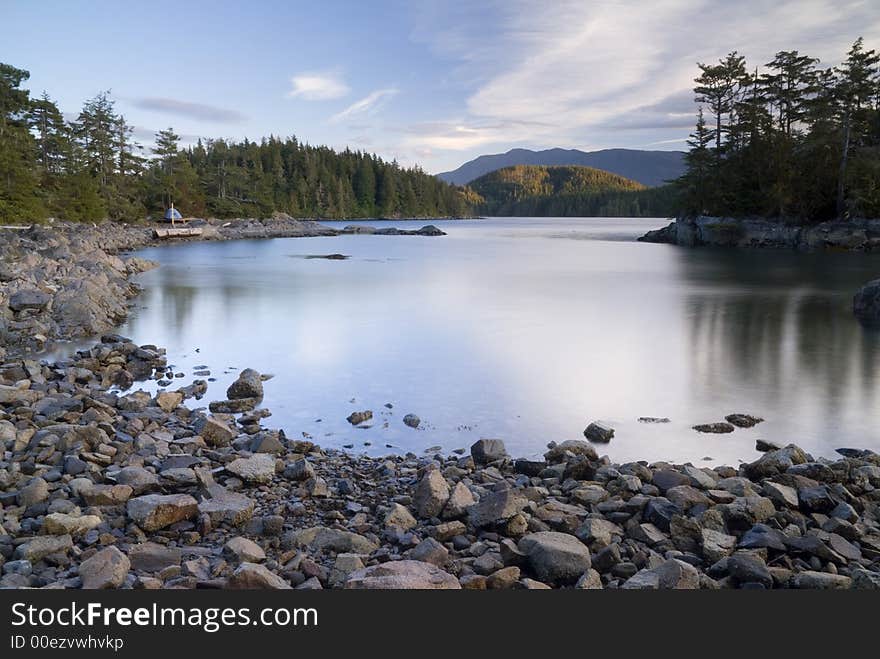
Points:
62	524
717	428
357	418
258	468
402	575
400	517
503	579
430	551
412	420
153	557
156	511
590	580
250	576
244	550
168	401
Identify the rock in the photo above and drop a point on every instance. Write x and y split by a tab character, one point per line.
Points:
672	574
153	557
590	580
344	565
38	548
400	517
530	468
597	531
214	431
227	507
267	441
250	576
666	479
555	557
749	568
717	428
138	479
168	401
243	550
258	468
743	420
430	551
31	298
503	579
412	420
357	418
781	495
763	446
156	511
496	507
485	451
571	447
106	495
36	491
866	303
402	575
320	538
236	406
248	385
62	524
865	580
599	432
106	569
460	500
775	462
820	581
717	545
299	470
431	494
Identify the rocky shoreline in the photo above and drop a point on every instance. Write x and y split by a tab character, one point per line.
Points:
69	281
103	485
856	235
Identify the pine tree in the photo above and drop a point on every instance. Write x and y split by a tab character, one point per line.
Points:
19	200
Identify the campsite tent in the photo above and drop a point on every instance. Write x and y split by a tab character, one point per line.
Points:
172	215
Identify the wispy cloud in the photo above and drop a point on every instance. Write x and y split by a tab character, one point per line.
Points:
317	86
189	110
367	105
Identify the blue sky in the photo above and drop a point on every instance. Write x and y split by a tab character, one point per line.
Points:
426	82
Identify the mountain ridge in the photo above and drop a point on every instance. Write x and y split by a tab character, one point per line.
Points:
650	168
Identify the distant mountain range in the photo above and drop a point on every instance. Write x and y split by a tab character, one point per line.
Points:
651	168
565	191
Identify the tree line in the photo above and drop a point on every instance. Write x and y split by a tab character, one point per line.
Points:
92	168
795	140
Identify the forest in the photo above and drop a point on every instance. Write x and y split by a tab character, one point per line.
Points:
92	169
567	191
796	141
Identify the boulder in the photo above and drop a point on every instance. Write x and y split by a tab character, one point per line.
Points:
460	500
63	524
248	385
599	432
138	479
38	548
412	420
431	494
214	431
357	418
241	549
106	569
485	451
555	557
321	538
400	517
496	507
153	557
672	574
168	401
559	452
402	575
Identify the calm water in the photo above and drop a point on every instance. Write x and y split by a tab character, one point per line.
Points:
527	329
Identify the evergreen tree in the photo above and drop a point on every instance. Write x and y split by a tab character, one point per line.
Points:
19	200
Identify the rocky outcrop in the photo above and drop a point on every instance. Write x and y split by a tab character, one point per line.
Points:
860	235
866	303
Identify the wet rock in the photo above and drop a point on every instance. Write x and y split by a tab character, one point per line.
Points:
156	511
717	427
248	385
106	569
485	451
743	420
402	575
599	431
412	420
571	447
357	418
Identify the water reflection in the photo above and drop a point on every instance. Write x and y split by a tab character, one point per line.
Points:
526	330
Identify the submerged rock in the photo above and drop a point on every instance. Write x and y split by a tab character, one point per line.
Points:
866	303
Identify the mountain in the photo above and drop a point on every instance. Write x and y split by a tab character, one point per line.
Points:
565	191
649	168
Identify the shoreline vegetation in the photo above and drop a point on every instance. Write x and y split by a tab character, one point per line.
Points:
104	485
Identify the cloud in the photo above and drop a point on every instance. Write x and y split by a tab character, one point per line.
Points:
367	105
317	86
612	73
189	110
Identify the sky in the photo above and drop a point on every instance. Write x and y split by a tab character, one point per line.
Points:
426	82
